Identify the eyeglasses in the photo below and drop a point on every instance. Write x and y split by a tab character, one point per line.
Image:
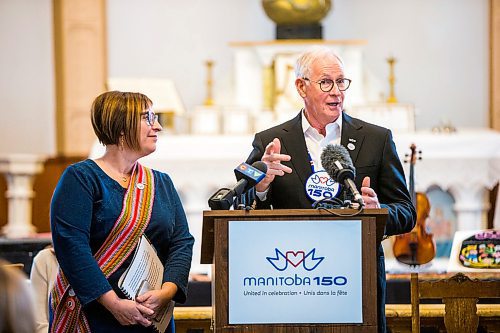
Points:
150	117
326	85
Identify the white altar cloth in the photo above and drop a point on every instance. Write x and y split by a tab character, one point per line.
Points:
466	163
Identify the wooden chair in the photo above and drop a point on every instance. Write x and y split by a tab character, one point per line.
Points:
20	266
459	293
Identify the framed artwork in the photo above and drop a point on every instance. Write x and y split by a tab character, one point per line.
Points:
286	97
442	221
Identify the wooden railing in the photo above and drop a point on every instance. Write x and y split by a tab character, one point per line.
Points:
198	318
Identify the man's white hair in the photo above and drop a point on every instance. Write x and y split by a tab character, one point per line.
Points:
305	60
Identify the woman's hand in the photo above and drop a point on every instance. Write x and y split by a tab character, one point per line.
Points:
157	300
127	312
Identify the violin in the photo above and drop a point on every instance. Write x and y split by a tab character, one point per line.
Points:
416	247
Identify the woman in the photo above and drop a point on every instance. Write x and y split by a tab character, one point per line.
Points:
43	274
100	209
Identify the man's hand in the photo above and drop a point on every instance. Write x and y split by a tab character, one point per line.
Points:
369	196
273	158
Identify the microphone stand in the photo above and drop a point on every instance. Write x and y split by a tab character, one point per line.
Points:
225	198
221	200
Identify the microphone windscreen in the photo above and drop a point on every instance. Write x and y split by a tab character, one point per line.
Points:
333	153
259	165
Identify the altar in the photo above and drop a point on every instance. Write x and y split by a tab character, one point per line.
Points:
465	163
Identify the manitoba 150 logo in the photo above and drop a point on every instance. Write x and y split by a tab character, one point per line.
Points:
282	261
289	261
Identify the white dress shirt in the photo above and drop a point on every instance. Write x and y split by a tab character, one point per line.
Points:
315	143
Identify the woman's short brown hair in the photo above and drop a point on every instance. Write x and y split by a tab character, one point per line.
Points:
115	114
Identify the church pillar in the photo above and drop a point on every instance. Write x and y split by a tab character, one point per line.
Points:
81	70
471	206
20	170
495	64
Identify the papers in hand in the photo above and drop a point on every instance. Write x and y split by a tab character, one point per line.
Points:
145	273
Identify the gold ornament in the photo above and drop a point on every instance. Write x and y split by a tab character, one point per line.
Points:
297	12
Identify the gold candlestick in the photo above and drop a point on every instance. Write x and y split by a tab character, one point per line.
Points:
268	87
392	97
209	101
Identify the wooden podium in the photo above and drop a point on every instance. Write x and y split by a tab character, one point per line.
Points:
215	251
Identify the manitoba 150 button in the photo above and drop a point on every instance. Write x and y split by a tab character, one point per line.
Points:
320	186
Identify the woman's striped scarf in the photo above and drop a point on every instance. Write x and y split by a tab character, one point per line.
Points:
120	243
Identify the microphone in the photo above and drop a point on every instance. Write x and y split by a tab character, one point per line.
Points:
338	164
247	175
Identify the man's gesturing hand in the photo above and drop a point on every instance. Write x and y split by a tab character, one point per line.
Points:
273	158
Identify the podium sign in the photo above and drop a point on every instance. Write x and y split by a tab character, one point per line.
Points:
289	271
279	269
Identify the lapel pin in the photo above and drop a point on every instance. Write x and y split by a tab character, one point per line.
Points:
350	146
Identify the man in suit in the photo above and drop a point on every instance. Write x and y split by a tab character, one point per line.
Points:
292	152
